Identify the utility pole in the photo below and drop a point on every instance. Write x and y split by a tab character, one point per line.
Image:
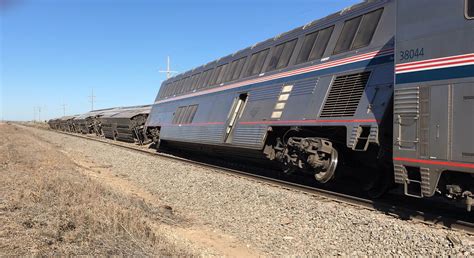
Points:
39	113
168	71
64	109
92	98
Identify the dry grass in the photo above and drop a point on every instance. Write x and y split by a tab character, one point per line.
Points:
47	207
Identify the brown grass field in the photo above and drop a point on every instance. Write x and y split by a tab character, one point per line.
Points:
50	206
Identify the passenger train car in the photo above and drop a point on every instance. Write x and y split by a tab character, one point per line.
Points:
119	123
384	87
125	124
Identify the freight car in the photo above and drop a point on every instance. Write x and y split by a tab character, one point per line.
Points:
384	87
125	124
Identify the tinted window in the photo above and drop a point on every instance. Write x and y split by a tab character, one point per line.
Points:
347	35
205	77
188	116
367	29
214	76
220	77
178	114
163	90
256	62
281	55
186	85
307	46
314	45
321	43
239	68
195	81
470	8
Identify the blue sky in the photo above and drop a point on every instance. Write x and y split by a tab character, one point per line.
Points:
57	51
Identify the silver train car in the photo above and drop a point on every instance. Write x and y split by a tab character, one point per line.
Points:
384	87
125	124
120	123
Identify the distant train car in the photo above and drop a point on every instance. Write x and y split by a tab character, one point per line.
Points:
53	124
125	124
66	124
88	123
327	95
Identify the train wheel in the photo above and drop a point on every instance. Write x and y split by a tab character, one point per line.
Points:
327	174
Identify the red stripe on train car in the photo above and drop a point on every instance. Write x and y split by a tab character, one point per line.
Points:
435	162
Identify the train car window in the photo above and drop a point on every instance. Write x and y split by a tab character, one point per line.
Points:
253	61
174	88
194	81
171	89
167	90
188	116
314	45
231	70
239	68
220	77
178	114
256	62
186	85
321	43
205	77
163	90
308	43
347	35
215	74
281	55
180	87
367	29
470	9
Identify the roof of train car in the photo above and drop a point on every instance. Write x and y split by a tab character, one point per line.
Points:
129	112
244	52
65	118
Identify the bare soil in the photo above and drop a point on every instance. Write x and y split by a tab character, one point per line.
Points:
52	203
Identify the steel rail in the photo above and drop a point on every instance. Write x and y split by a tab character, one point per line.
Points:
388	208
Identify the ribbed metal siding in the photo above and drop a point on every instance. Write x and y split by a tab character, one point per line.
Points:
251	136
270	92
406	101
304	87
203	134
345	94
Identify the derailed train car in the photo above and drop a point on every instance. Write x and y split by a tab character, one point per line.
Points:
380	84
65	124
88	123
125	124
119	123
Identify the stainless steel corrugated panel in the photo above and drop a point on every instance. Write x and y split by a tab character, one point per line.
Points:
202	134
249	136
406	101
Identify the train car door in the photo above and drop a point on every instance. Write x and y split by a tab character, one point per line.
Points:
234	115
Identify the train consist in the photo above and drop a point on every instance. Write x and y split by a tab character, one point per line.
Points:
384	88
121	123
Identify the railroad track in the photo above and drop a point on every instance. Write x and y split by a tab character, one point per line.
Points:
388	207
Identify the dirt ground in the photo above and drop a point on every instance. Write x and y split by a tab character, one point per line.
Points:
55	204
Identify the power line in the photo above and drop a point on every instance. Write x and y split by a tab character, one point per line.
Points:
168	71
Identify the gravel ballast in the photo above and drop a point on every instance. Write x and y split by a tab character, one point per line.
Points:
272	220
